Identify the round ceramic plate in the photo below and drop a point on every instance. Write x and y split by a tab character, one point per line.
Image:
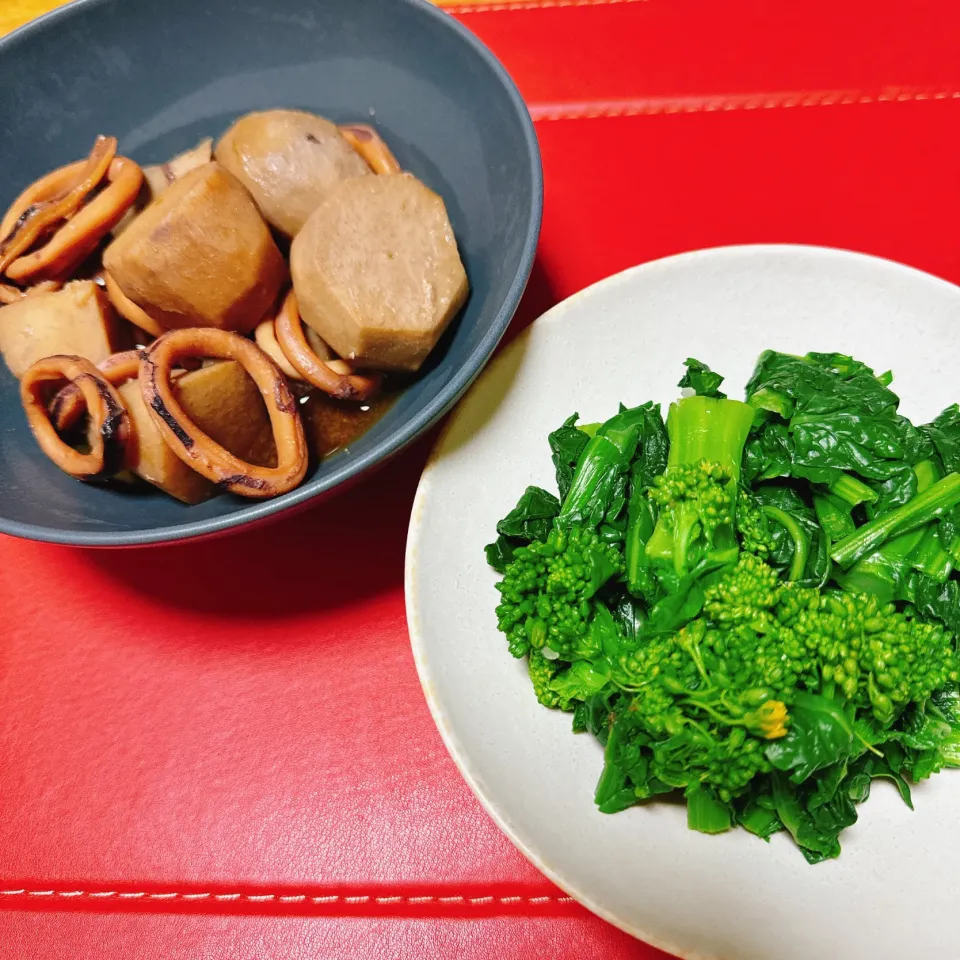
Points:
892	892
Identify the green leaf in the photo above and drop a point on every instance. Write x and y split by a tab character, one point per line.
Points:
820	734
944	432
768	453
650	459
626	767
842	418
500	553
701	379
606	635
566	445
532	517
706	813
760	817
815	843
936	601
785	498
819	383
582	679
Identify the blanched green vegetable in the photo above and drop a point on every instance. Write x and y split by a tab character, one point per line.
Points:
755	603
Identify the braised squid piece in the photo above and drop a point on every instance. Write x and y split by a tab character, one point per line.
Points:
220	398
128	309
199	450
180	259
266	338
369	144
224	403
320	372
110	430
289	160
58	221
199	255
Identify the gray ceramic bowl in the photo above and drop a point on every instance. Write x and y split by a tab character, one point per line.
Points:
161	75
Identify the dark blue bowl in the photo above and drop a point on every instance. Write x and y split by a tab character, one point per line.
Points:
163	74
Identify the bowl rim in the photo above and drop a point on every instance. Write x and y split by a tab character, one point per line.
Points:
435	408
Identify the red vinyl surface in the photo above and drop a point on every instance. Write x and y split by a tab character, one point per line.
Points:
221	750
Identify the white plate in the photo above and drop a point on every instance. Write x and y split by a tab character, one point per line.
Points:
893	891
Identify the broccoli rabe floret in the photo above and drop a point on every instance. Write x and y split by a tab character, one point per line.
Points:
710	695
547	592
696	503
707	718
542	672
753	528
696	497
874	656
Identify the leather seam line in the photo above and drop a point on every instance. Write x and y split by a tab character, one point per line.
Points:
282	898
520	5
721	104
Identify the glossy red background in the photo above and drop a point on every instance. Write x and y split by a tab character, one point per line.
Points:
221	750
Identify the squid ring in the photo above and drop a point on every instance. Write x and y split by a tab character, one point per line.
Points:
266	337
293	342
79	236
197	449
129	310
69	403
369	144
42	190
112	427
51	199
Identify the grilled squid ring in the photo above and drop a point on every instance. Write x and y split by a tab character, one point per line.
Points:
293	341
129	310
52	199
112	430
79	236
197	449
68	405
368	143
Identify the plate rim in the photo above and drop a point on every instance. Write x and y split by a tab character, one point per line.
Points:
415	528
352	470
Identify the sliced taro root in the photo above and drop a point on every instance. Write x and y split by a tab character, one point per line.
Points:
289	160
77	321
377	271
200	255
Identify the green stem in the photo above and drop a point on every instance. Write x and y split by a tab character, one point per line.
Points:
851	490
834	517
719	717
704	428
640	524
882	572
607	453
801	542
926	506
930	558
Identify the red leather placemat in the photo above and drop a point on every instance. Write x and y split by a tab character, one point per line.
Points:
221	750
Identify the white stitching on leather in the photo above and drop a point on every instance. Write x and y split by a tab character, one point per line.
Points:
710	104
267	897
518	5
